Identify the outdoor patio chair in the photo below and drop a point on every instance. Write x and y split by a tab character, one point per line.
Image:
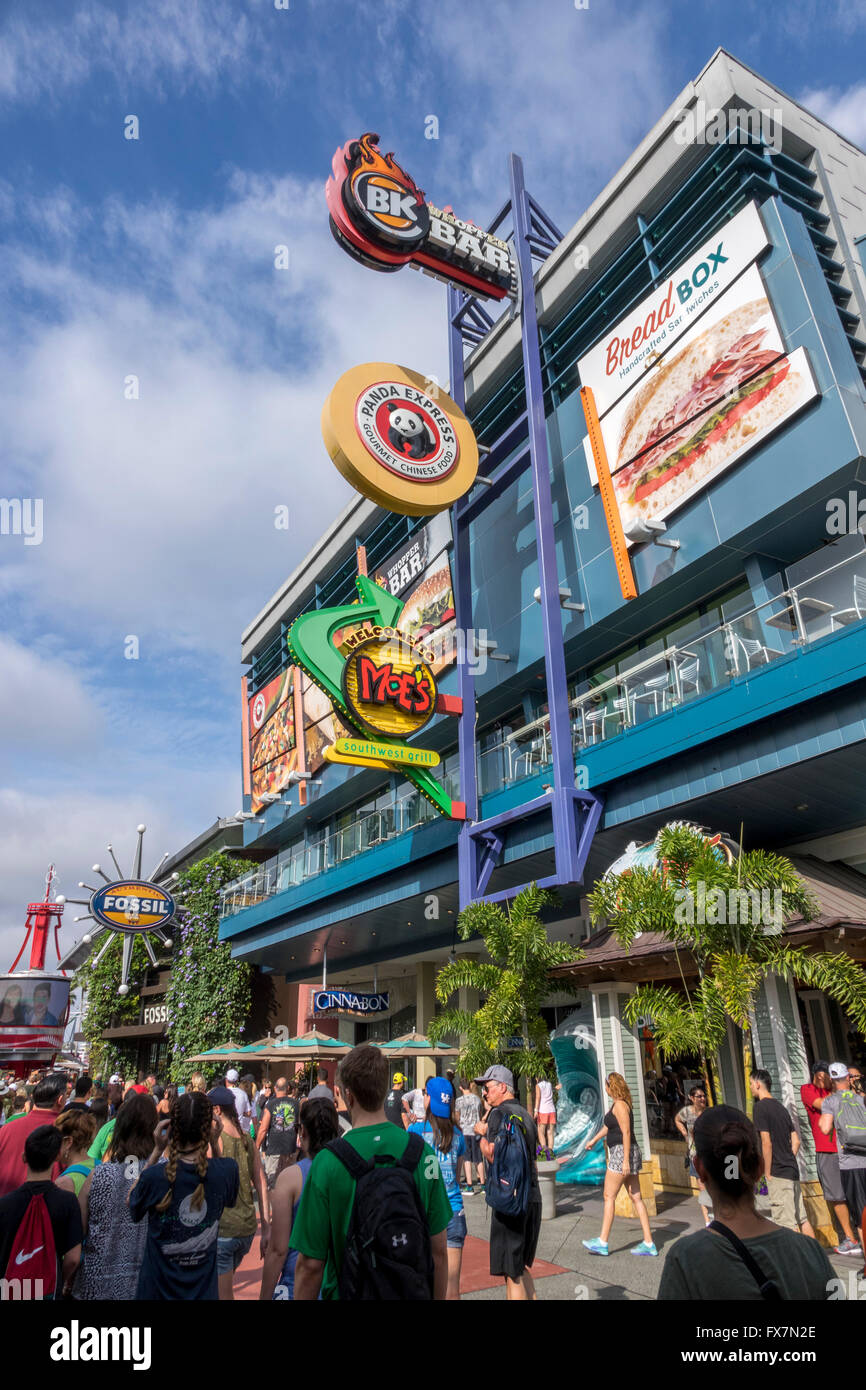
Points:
844	617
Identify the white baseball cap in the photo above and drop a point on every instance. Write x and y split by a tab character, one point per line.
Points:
115	1080
838	1071
231	1075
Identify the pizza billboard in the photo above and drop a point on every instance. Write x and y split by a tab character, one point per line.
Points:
271	737
705	387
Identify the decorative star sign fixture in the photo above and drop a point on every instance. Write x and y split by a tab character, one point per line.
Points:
129	906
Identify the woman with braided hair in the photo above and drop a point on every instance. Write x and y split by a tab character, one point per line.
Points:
183	1197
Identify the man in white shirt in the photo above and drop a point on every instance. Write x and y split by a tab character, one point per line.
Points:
242	1100
415	1101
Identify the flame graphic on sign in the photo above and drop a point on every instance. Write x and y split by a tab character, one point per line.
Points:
364	157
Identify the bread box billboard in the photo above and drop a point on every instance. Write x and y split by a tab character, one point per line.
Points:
695	377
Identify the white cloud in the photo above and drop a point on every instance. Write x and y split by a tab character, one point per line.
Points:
159	512
843	108
73	829
158	46
45	709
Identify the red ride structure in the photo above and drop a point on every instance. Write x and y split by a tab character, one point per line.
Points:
34	1002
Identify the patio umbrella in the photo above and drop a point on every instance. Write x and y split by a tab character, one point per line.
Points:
308	1047
226	1052
417	1045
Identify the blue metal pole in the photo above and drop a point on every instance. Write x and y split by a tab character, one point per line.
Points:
564	829
466	851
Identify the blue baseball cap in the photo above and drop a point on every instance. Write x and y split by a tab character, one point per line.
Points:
441	1094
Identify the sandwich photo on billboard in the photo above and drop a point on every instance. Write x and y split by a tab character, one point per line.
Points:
722	390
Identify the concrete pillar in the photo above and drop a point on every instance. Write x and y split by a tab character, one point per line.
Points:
425	1007
619	1050
781	1051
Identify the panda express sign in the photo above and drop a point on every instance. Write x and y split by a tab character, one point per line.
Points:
380	217
399	439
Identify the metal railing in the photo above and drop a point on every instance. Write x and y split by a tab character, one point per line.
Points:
708	661
661	681
337	846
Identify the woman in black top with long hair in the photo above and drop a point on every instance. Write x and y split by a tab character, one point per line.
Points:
623	1166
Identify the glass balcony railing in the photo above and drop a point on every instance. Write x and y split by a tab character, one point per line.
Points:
649	687
656	683
338	846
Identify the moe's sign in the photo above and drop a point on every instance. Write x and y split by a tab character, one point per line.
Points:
399	439
387	683
380	217
327	999
382	683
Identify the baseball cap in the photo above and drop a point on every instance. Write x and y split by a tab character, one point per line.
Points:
441	1094
398	1079
115	1080
497	1073
231	1075
220	1095
838	1071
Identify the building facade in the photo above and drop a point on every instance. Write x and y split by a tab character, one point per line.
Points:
726	689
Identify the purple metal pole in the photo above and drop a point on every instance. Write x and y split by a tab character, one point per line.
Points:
564	829
466	850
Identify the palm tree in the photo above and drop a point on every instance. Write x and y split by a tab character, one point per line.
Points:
512	984
710	903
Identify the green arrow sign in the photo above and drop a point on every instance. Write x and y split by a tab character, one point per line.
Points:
310	641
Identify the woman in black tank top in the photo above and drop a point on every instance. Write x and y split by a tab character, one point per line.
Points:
623	1166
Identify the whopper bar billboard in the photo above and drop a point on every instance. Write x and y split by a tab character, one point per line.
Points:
693	378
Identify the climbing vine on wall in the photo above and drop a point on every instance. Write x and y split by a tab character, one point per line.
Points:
208	999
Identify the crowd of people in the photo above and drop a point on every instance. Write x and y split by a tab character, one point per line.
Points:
356	1190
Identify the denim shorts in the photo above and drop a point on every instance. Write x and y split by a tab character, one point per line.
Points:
472	1153
230	1252
455	1231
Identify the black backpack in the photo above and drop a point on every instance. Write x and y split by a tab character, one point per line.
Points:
388	1253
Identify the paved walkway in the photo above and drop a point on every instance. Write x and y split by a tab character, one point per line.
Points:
565	1269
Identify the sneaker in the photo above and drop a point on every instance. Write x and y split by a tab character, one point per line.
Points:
468	1191
646	1247
848	1247
596	1246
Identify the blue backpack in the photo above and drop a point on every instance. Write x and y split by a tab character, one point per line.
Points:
509	1179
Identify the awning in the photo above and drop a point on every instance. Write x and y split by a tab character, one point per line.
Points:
840	925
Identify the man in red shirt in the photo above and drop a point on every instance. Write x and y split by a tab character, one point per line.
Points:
813	1094
49	1098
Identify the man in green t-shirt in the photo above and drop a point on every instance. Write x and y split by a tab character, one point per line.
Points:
322	1223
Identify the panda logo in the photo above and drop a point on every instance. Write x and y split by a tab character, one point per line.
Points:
408	432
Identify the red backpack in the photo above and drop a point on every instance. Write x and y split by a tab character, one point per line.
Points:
33	1255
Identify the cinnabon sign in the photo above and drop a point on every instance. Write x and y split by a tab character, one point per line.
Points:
380	216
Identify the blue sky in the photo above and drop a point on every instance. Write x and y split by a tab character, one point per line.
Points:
154	258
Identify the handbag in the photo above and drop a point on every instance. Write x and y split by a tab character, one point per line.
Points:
768	1289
